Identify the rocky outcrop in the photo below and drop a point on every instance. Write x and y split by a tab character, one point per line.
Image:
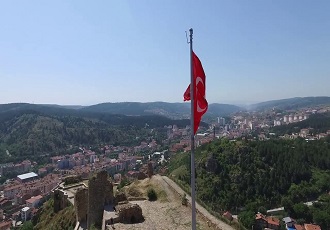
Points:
141	176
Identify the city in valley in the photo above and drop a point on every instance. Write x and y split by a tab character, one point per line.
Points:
92	178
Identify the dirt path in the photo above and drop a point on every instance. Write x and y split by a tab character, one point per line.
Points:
219	224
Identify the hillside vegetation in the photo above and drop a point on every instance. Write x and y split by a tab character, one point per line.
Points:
43	131
47	219
172	110
249	175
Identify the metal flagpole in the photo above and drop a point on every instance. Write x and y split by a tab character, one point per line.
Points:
192	164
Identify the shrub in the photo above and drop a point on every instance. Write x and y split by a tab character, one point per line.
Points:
152	195
184	200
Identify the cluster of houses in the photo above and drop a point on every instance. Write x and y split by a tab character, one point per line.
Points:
306	134
19	168
273	223
22	196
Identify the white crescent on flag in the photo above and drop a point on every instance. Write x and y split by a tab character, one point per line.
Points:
199	109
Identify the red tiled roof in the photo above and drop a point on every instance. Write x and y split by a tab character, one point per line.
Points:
299	227
312	227
273	221
5	224
33	199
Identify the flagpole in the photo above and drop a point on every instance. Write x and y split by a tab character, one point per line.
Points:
192	144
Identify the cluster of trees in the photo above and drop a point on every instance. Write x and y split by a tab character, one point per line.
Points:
318	213
253	174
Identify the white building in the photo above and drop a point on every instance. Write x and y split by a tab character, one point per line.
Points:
277	123
286	118
27	177
221	121
25	213
251	126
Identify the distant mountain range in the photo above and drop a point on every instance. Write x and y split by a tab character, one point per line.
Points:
291	103
169	110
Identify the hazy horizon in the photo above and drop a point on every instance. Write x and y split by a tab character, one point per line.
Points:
84	53
237	103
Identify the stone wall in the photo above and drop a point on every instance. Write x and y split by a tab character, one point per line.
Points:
108	196
100	192
150	169
120	197
80	203
60	200
72	180
129	213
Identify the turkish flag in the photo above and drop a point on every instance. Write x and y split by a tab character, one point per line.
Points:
200	103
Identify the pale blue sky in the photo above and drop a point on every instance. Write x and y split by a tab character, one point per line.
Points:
88	52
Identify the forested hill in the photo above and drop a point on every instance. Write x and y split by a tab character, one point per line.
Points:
318	123
169	110
292	103
234	175
34	132
172	110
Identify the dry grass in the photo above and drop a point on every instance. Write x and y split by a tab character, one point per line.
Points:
140	188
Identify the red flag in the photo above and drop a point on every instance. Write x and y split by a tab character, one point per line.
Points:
200	103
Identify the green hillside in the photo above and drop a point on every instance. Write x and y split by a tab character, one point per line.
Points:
249	175
172	110
47	219
42	131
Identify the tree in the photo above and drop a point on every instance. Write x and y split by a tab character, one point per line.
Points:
287	204
27	226
322	218
301	210
262	210
247	218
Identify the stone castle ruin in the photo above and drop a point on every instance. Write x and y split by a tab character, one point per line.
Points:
129	213
60	200
96	205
